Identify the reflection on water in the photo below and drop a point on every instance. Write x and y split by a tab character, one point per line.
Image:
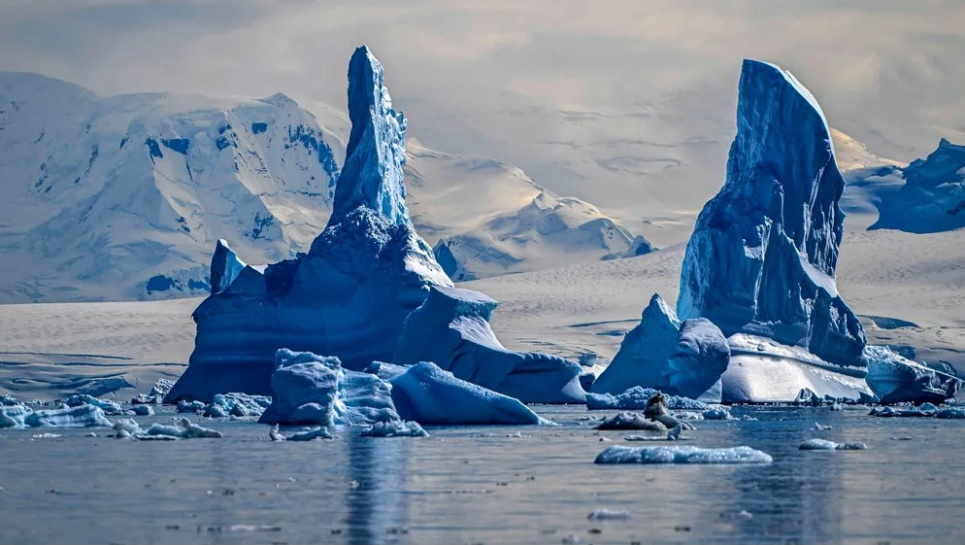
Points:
488	485
375	497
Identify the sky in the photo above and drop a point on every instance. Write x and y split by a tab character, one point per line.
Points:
611	101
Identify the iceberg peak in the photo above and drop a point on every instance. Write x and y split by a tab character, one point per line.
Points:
372	176
764	251
225	267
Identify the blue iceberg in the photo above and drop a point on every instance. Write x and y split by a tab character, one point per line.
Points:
679	358
451	329
347	297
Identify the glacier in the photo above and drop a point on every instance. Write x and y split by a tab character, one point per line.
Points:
932	195
451	329
349	295
679	358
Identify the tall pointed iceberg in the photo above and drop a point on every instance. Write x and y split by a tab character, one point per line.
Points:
350	294
762	258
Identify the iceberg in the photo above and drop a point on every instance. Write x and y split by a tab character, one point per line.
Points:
932	198
182	429
395	429
431	396
761	261
451	329
680	358
349	296
895	379
682	455
824	444
315	390
763	253
81	416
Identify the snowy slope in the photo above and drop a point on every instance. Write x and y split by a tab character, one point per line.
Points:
123	197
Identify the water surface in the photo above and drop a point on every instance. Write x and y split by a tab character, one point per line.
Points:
489	485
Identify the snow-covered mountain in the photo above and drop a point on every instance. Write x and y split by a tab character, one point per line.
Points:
123	197
547	232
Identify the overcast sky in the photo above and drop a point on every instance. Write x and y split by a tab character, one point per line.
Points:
578	93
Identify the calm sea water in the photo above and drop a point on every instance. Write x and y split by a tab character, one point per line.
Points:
489	485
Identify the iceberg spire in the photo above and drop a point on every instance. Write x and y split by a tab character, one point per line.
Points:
372	176
763	254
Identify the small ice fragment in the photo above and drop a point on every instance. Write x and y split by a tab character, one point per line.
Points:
395	428
682	455
275	434
608	514
819	427
824	444
143	410
311	435
630	421
47	436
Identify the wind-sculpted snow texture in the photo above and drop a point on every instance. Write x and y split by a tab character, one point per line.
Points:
350	294
764	250
933	196
682	359
430	396
451	329
895	379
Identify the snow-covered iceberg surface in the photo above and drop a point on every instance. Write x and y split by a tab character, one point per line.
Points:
932	198
763	370
350	294
451	329
682	359
763	253
894	378
431	396
315	390
682	455
638	398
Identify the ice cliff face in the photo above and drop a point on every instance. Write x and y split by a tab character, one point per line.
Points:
763	253
932	198
452	330
348	296
679	358
122	197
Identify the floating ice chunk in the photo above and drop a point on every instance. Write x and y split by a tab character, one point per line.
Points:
637	399
684	359
125	428
631	421
824	444
182	428
430	396
955	413
196	407
895	378
145	437
819	427
109	407
717	413
236	404
275	434
312	389
143	410
608	514
83	416
396	428
451	329
311	435
47	436
682	455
